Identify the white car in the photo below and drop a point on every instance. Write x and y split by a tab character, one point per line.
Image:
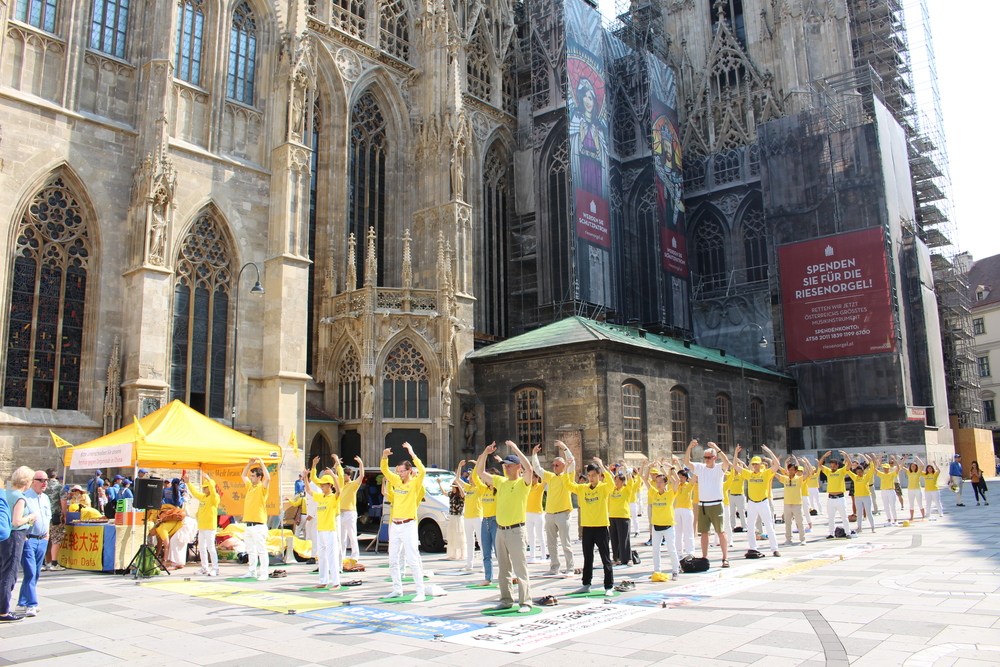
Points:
432	517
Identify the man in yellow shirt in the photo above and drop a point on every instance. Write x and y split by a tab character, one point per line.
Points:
662	491
836	503
794	479
208	523
758	479
512	504
407	486
327	547
558	507
592	498
619	514
256	478
349	508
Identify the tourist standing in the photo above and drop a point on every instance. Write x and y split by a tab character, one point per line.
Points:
11	548
978	482
36	545
711	474
955	479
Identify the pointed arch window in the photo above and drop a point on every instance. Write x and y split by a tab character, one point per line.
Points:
394	29
755	244
200	332
529	413
317	126
190	39
404	383
710	254
367	166
732	13
558	202
108	26
633	417
349	386
678	419
477	66
723	420
242	55
349	16
48	294
39	13
496	232
756	424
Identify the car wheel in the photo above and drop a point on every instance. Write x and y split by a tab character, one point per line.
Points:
430	537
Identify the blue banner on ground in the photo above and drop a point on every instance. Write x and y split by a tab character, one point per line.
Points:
393	622
661	599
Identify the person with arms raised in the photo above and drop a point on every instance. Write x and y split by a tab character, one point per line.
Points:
406	483
558	506
595	522
257	479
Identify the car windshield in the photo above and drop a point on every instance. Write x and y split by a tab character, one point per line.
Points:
431	481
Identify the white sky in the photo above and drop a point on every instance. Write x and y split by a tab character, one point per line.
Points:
968	95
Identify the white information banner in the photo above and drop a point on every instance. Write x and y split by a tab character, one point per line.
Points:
544	629
112	456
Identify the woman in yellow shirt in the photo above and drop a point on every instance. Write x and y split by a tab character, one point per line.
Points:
327	548
886	473
488	530
535	520
683	515
932	496
662	491
863	479
208	523
913	497
472	516
620	515
349	508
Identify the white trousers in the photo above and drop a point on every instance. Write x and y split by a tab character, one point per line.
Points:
633	510
255	538
665	537
914	499
206	549
536	536
737	510
889	500
403	544
761	511
814	502
835	506
349	534
328	557
863	505
684	530
933	498
310	532
473	528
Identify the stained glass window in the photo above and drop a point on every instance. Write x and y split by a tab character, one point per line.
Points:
190	35
39	13
528	417
108	26
755	244
404	384
48	295
242	55
199	342
367	184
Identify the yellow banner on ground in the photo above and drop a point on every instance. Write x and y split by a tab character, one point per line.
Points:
233	489
277	602
82	548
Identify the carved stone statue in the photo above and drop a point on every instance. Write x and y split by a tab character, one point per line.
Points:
446	398
299	88
457	176
471	426
367	399
158	230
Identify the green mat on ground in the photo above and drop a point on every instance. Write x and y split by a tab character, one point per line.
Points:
483	587
490	611
323	588
406	580
242	579
591	594
401	598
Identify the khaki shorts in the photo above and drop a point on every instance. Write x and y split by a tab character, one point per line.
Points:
710	515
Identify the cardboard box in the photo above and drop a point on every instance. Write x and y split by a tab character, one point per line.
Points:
128	518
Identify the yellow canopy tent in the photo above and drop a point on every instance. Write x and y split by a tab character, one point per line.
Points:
179	437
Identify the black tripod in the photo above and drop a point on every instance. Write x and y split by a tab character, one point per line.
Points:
142	556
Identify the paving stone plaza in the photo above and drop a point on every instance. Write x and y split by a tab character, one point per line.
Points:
920	596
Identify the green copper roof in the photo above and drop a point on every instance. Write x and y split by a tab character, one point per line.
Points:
579	330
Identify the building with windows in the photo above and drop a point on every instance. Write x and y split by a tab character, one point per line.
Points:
984	293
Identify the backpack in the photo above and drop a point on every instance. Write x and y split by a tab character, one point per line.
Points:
839	532
753	553
692	564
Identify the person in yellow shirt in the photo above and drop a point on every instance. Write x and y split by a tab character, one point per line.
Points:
348	524
836	503
208	523
407	486
863	479
734	489
257	479
812	484
662	491
913	496
932	496
634	504
619	514
683	515
536	520
558	507
488	524
511	510
887	473
472	516
327	548
758	479
794	479
592	499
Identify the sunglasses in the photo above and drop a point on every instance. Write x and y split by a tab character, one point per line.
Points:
41	479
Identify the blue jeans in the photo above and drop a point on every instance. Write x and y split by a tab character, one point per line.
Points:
32	559
10	561
488	541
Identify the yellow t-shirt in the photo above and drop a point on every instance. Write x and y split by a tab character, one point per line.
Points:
255	503
208	511
473	506
758	483
662	504
405	497
511	500
327	509
618	501
812	482
593	501
735	484
912	480
685	492
348	491
487	497
888	480
930	480
535	498
793	488
728	475
557	499
862	483
835	479
635	487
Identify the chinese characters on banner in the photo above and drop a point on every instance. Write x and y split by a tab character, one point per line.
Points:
836	297
232	489
82	548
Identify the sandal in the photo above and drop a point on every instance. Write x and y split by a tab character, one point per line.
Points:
577	571
725	563
625	586
277	574
356	582
548	601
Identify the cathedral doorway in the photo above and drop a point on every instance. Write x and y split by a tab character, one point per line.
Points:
320	447
350	446
395	438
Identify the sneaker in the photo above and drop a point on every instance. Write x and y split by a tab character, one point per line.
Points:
264	578
31	611
960	505
501	607
776	554
20	610
10	618
787	543
213	573
582	590
829	537
674	576
201	570
802	543
551	573
56	567
609	592
977	504
524	609
45	567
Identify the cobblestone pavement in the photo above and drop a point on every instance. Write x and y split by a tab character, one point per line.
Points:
924	596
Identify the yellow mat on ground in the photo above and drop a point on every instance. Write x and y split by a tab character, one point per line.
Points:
245	597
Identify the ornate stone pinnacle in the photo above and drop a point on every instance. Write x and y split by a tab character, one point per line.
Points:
407	261
352	263
371	259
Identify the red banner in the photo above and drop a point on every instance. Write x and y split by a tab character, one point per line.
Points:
674	251
592	218
835	295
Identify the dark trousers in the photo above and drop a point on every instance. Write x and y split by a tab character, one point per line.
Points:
596	536
979	488
621	544
10	563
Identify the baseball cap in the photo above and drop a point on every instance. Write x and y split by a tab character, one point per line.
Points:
755	459
885	466
97	472
512	460
119	477
326	479
143	470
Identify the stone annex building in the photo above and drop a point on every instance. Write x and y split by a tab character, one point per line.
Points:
473	220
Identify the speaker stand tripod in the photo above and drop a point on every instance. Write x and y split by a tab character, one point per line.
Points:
142	556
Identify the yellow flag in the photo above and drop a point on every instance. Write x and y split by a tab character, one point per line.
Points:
294	443
140	436
59	442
